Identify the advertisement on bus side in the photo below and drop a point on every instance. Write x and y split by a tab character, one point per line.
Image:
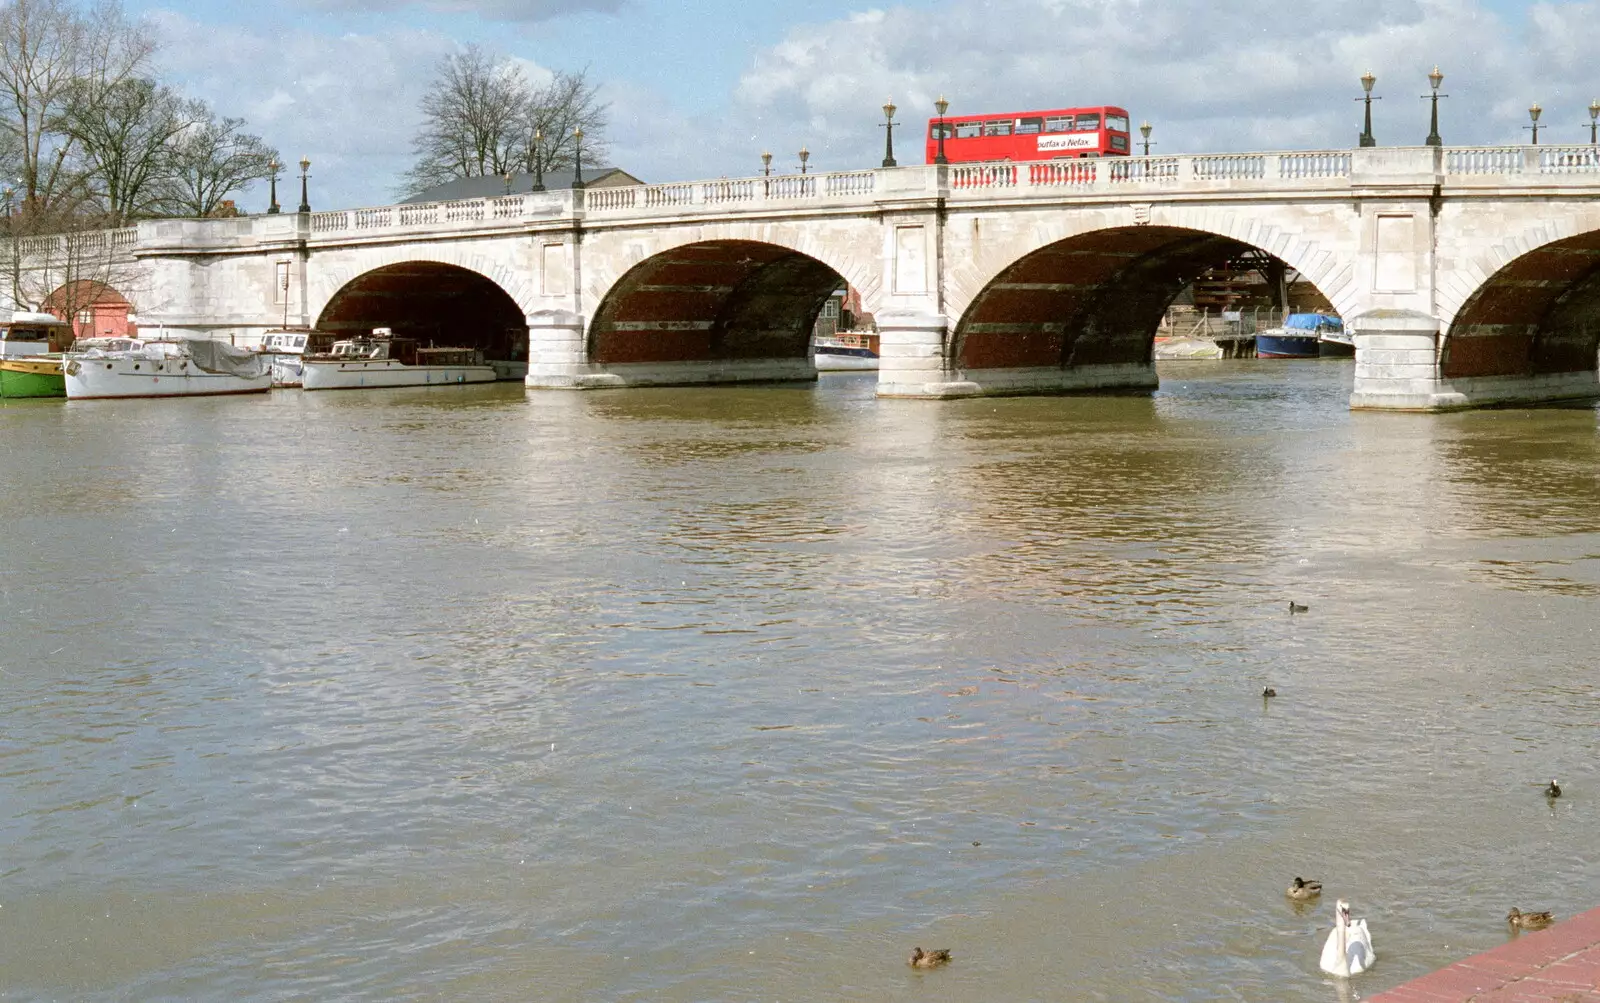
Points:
1081	141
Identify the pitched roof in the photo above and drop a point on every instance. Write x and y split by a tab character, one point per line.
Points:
494	184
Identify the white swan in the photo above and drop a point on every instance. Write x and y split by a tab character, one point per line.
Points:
1349	947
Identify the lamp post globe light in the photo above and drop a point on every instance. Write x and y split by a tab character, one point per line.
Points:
1434	79
805	155
1144	130
766	163
1533	113
1367	80
1594	120
888	136
538	160
941	106
305	201
272	199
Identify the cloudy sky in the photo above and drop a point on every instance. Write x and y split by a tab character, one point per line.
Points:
698	89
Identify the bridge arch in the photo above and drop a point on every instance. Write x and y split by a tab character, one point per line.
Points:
1093	295
433	302
1530	306
718	300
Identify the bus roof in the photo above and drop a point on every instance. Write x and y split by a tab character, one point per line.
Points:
986	116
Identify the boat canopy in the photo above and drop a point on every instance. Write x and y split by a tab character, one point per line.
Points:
221	357
1313	322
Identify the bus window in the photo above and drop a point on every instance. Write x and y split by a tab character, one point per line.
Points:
967	130
1058	123
1088	123
1029	126
1119	142
949	130
1117	123
997	128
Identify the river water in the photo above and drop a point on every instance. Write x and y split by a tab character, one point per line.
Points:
738	694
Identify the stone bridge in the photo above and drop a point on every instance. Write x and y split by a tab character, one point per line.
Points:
1469	276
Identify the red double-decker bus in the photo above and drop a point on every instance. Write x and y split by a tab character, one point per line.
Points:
1061	134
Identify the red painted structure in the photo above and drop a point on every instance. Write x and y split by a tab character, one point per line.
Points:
1558	965
1058	134
95	309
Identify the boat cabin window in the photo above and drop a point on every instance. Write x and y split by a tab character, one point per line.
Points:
1087	123
968	130
997	128
1058	123
1117	123
300	342
1029	126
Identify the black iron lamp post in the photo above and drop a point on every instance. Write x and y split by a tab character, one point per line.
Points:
766	163
1367	80
577	158
272	200
1533	112
506	177
538	160
305	200
805	155
1144	130
1594	119
1435	79
888	136
941	106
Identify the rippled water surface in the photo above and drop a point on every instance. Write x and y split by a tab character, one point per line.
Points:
737	694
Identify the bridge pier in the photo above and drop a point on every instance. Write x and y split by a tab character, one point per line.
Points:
1398	368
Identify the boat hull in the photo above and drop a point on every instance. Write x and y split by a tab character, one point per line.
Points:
372	374
286	370
1285	346
102	378
845	360
32	378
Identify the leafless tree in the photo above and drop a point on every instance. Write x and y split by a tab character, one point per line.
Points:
483	118
210	158
50	50
125	139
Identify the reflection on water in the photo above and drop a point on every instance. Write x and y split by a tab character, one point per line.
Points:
711	694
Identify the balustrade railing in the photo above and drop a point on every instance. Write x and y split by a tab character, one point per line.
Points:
1333	164
1230	167
1484	160
1569	159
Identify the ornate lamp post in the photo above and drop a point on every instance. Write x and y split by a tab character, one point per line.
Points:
1435	79
577	158
1367	80
538	160
1594	119
506	177
1144	130
305	201
1533	113
941	106
766	163
272	199
805	155
888	136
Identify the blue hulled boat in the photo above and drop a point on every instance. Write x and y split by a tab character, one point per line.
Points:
1300	337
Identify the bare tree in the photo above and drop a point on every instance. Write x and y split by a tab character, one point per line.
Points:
551	117
210	158
125	136
49	51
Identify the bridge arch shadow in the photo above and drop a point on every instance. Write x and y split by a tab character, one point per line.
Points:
433	302
1539	313
1093	298
712	301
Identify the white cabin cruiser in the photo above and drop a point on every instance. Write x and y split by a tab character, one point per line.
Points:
283	350
382	360
183	368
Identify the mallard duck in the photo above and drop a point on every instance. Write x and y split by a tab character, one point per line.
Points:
1295	607
1529	920
1553	791
1303	889
1268	693
1348	950
928	959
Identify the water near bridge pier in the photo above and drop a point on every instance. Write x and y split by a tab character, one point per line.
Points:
736	694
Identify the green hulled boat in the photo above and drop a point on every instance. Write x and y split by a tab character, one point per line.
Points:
32	376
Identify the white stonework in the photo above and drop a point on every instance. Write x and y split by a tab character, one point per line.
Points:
1399	240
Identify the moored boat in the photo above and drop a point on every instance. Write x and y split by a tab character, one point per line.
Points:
383	360
32	376
184	368
283	351
1298	338
847	350
30	359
